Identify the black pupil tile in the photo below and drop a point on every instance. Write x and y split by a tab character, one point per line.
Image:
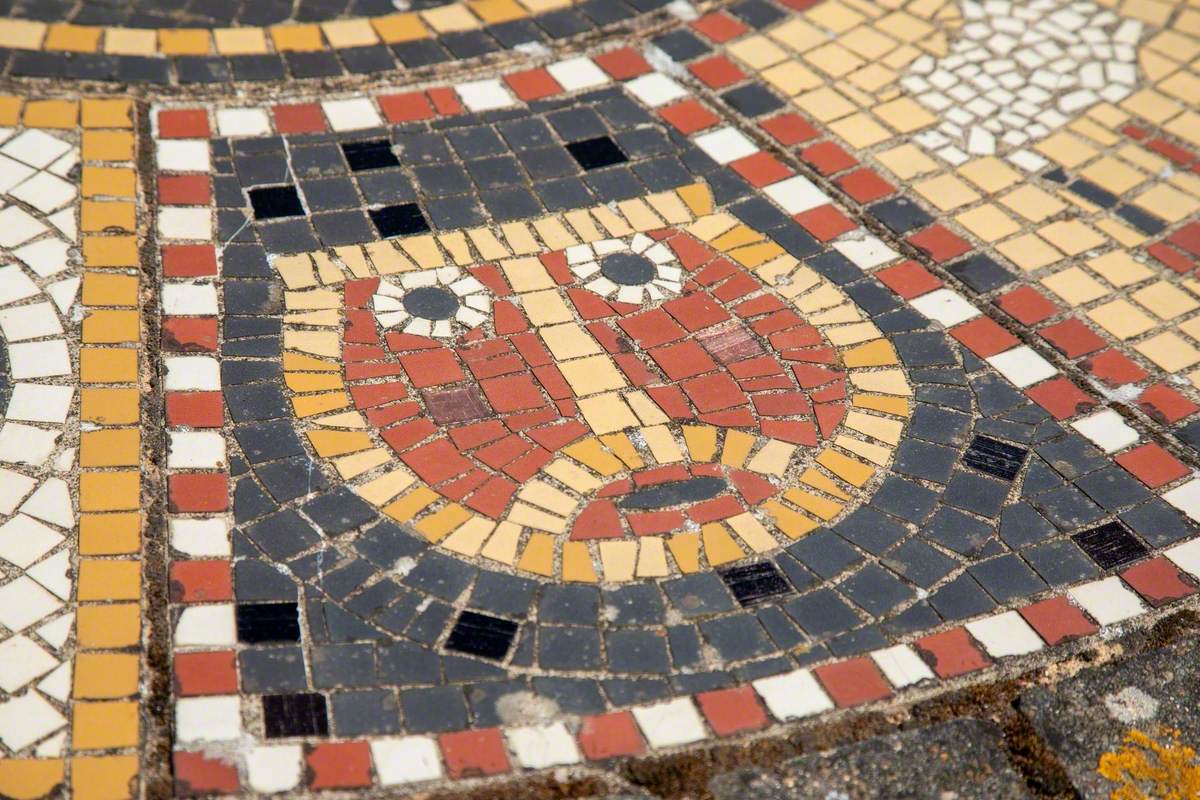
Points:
1110	545
482	635
995	458
401	220
268	622
375	154
295	715
754	583
273	202
596	153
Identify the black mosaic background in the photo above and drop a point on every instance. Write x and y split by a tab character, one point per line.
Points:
940	540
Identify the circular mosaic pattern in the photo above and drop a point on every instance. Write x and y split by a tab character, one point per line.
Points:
638	407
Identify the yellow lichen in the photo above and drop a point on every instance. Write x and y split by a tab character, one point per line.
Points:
1145	769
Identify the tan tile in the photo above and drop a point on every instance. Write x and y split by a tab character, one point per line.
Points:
1121	318
988	222
1165	300
1075	286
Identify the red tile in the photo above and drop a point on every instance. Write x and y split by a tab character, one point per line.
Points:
610	736
1114	368
909	279
1165	404
184	190
828	158
197	674
432	368
789	129
406	107
339	765
1072	338
1056	620
984	337
189	260
190	334
865	185
197	774
186	123
473	754
301	118
197	492
853	682
195	409
732	711
623	64
1152	465
1159	581
201	581
1027	305
939	243
719	27
717	72
761	169
825	222
952	653
1061	398
533	84
689	116
1171	257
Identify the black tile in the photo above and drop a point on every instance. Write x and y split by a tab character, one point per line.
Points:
754	583
482	635
268	622
401	220
295	715
273	202
995	457
596	153
1110	545
371	154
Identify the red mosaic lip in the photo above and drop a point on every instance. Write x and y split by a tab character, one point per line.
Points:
477	416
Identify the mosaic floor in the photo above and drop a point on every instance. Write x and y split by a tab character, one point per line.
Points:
556	382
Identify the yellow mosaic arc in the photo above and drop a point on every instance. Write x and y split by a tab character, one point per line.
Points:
465	15
628	433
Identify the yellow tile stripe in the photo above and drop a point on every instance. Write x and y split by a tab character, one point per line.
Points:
465	15
104	724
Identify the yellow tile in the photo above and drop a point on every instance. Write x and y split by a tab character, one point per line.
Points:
990	174
104	725
109	491
1071	236
30	778
130	41
107	113
240	41
988	222
60	114
101	580
1075	286
104	777
1066	149
906	161
297	38
105	676
1170	351
1168	203
904	115
109	406
108	626
1164	300
73	38
111	327
109	448
946	192
184	41
397	28
1029	252
1032	203
1121	318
